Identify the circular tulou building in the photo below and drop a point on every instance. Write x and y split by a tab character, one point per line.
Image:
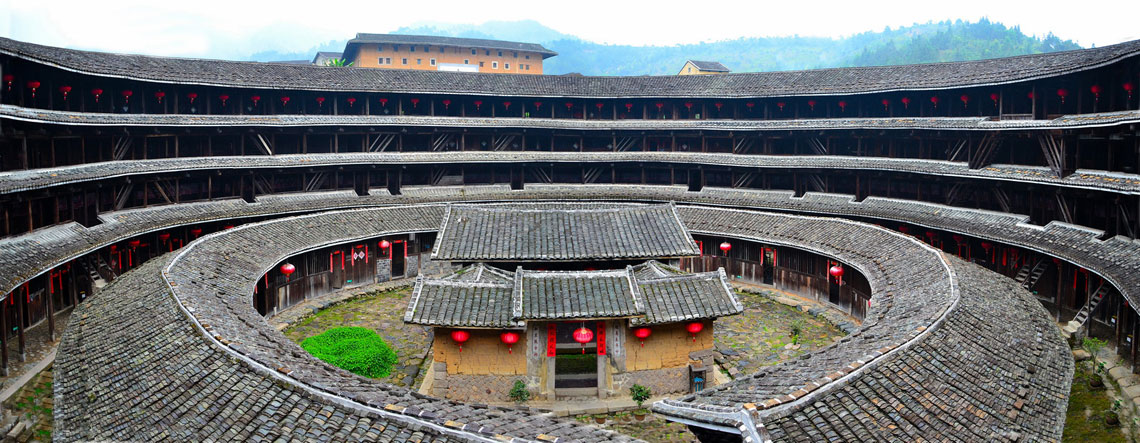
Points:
960	212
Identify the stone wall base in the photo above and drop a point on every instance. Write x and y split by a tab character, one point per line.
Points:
478	388
659	381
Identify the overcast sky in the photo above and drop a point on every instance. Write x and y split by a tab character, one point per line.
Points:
238	28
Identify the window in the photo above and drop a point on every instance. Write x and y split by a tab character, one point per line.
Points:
527	57
405	61
473	52
500	53
412	48
388	60
419	61
516	55
526	67
431	62
396	48
467	61
488	52
494	65
480	64
506	66
381	61
426	48
441	49
379	48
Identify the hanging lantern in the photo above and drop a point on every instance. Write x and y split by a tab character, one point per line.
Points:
659	105
906	102
987	245
583	335
223	98
689	105
159	95
229	227
510	338
934	100
351	101
1031	95
904	229
718	105
135	243
842	105
1096	90
8	79
255	98
460	336
127	96
164	236
725	247
1129	87
506	105
569	106
384	102
478	103
196	232
288	269
64	90
781	106
192	96
33	85
965	100
321	102
629	107
1062	92
415	102
994	98
695	328
599	106
385	244
537	105
836	271
958	238
886	104
446	103
284	100
642	334
811	104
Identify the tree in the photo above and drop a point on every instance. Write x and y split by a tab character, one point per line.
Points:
338	63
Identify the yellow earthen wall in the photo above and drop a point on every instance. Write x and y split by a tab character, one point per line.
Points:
689	69
484	353
667	347
369	57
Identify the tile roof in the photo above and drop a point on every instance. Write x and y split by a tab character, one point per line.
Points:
835	81
401	39
538	232
670	296
709	66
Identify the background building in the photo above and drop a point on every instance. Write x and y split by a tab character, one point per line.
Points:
696	67
430	53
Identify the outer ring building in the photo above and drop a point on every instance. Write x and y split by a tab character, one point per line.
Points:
1026	166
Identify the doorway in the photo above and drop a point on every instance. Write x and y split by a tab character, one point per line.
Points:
399	258
768	264
575	364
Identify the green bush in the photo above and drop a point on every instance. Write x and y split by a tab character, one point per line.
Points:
639	394
354	349
519	393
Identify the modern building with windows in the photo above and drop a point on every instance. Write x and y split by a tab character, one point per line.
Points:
431	53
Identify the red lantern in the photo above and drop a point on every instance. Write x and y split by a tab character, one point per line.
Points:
33	85
510	338
229	226
750	105
781	106
628	107
321	101
223	98
351	101
987	245
478	103
836	271
9	78
725	247
460	336
537	105
415	102
384	244
159	95
906	102
642	334
695	328
196	232
660	105
255	98
842	105
886	103
934	100
1062	92
811	104
65	90
192	96
569	106
284	100
1129	87
506	105
994	97
1096	90
599	106
1030	95
689	105
583	335
446	103
164	236
718	105
288	269
135	243
384	102
965	100
127	96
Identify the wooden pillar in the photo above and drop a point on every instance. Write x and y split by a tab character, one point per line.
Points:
4	334
21	305
51	306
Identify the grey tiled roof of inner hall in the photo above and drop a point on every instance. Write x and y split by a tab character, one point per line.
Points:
566	295
543	232
833	81
685	297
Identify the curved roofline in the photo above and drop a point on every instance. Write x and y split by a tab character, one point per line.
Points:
816	82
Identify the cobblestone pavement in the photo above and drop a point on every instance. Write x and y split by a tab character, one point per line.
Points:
760	336
34	404
383	312
38	346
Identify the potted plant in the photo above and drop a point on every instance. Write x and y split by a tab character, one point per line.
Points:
519	393
600	419
639	394
1095	380
1112	416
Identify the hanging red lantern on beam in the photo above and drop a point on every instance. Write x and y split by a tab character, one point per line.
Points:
9	78
689	105
660	105
385	244
934	100
415	102
127	96
642	334
510	338
994	98
223	98
906	102
1031	95
351	101
320	102
583	335
33	85
1129	87
811	104
1062	92
460	336
134	243
725	247
965	100
537	105
628	107
695	328
64	90
164	236
599	105
886	104
384	102
284	100
196	232
478	103
255	99
159	95
718	105
288	269
836	271
192	96
506	105
446	103
842	105
1096	90
781	105
569	106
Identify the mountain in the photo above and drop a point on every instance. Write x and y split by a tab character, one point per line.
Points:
919	43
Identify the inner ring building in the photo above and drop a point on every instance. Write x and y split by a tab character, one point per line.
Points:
976	206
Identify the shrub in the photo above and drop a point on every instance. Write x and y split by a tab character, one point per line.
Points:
797	328
519	393
1093	345
639	394
354	349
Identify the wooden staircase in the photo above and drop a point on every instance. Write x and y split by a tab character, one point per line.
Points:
1083	315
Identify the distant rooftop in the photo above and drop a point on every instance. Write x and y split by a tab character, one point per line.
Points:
399	39
709	66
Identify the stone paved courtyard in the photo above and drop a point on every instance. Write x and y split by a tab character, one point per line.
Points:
381	311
